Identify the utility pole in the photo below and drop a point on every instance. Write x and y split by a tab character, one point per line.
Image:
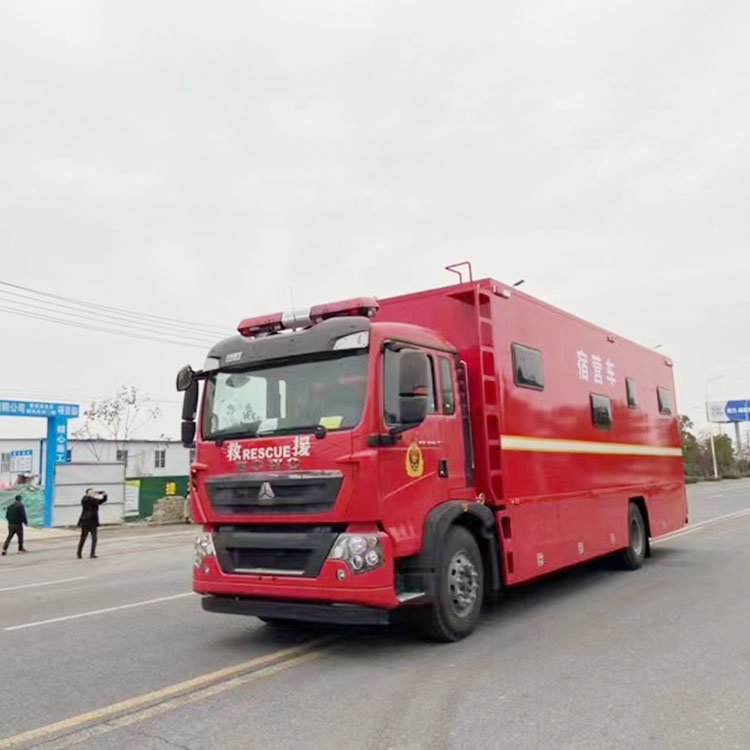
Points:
711	426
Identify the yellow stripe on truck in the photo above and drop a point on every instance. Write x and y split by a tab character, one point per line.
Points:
591	447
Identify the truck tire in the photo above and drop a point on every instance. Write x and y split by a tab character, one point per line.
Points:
458	591
634	554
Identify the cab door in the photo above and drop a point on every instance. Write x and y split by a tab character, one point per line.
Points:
455	446
409	459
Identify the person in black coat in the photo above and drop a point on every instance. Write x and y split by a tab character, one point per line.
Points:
15	515
89	520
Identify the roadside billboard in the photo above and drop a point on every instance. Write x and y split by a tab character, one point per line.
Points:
737	410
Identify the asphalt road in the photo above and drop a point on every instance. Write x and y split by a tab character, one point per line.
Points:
591	658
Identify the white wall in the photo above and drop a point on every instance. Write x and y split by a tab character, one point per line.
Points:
141	457
141	460
6	446
71	481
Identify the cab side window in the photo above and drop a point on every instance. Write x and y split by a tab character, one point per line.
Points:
446	386
431	389
390	386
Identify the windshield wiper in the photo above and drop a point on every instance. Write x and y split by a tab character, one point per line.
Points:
318	430
289	430
220	437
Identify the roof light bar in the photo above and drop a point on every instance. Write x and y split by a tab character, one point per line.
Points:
264	324
365	306
268	324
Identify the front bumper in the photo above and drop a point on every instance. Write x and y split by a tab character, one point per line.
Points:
339	614
333	583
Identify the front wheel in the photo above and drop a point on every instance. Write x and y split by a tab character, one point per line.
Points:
459	589
635	553
274	621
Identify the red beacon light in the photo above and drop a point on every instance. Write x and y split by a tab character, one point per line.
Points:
265	325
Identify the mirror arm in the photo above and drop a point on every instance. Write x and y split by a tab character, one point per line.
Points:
380	440
397	429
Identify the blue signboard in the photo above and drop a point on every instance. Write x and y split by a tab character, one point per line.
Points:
61	442
57	438
737	410
37	409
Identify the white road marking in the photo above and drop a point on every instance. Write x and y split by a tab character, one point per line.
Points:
43	583
701	525
186	533
38	623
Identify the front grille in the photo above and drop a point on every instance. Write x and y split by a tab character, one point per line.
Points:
254	550
274	493
289	561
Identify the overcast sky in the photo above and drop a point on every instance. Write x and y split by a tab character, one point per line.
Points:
200	160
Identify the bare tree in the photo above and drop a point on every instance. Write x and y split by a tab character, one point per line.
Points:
117	419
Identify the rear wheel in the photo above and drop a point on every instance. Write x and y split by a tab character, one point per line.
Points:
635	553
459	589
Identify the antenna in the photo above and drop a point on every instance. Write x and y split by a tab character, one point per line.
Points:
291	295
519	282
453	269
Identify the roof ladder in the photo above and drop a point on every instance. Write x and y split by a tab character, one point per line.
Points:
490	400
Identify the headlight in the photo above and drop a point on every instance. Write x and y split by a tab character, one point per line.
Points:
204	547
358	545
361	552
372	558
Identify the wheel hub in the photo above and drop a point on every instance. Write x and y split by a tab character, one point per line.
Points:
463	583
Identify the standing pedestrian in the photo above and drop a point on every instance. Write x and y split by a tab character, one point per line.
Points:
15	515
89	520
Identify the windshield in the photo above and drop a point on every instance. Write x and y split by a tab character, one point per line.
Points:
286	398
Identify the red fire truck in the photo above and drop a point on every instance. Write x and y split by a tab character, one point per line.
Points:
416	454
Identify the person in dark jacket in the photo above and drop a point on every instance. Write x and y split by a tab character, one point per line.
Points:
89	520
15	515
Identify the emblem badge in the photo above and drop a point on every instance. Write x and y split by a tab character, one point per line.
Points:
414	461
266	492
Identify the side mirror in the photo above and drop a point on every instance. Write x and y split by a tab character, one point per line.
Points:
184	378
414	388
190	402
413	410
188	434
189	407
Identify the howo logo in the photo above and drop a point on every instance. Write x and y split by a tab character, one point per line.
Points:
266	492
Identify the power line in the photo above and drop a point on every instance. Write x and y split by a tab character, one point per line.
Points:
114	318
78	317
130	333
127	334
207	327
